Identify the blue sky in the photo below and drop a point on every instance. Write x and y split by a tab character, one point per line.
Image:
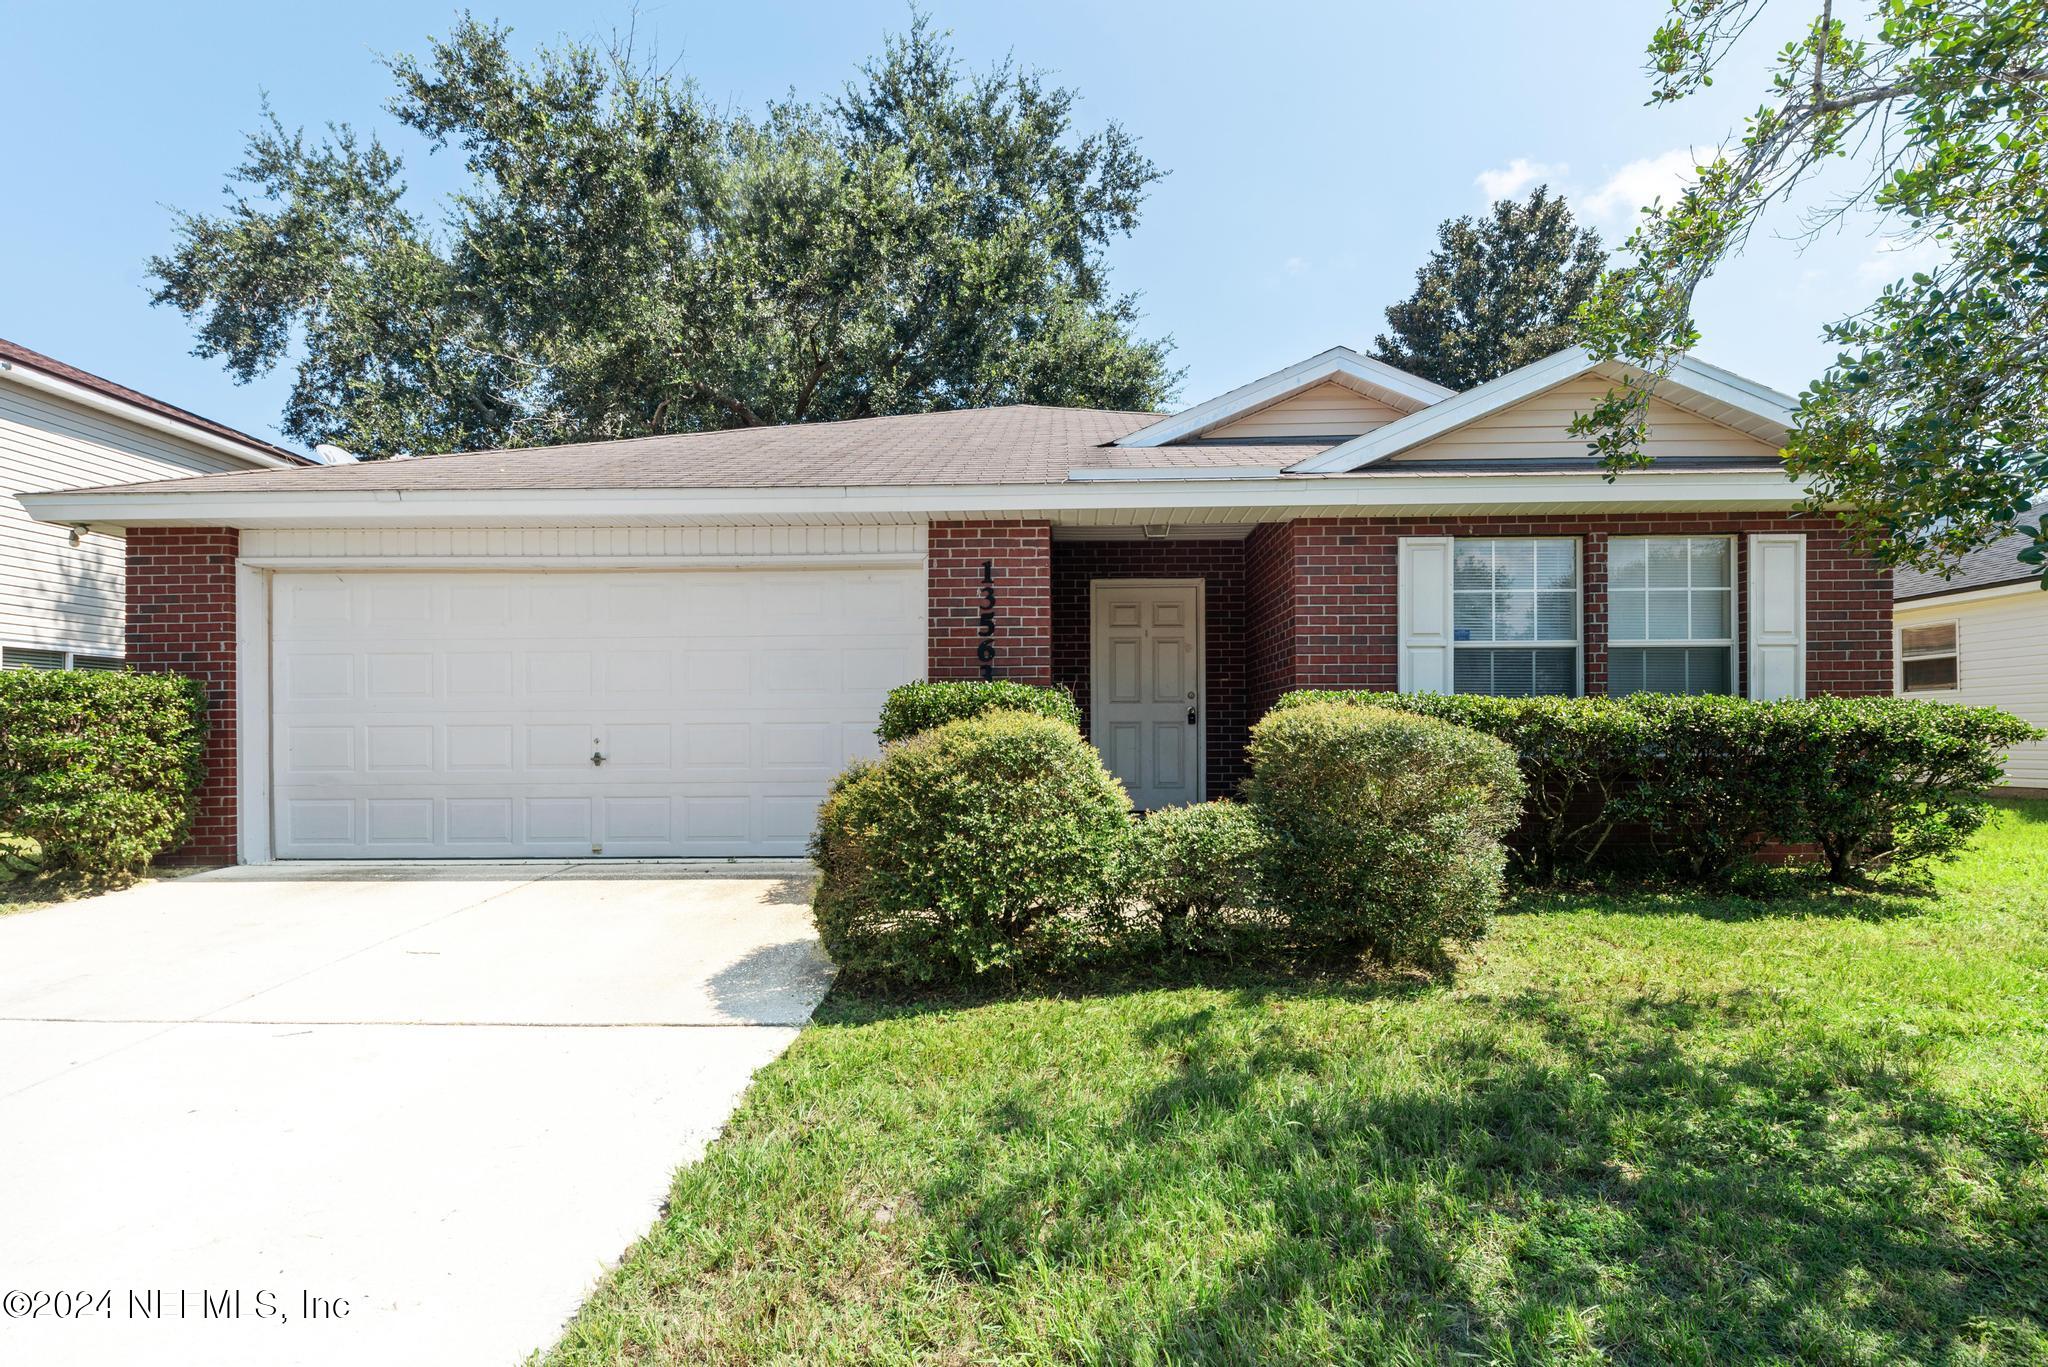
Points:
1313	149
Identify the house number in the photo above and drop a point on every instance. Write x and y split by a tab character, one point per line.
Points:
986	651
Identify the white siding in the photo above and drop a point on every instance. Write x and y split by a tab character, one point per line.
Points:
2001	661
1329	409
1537	427
529	545
53	594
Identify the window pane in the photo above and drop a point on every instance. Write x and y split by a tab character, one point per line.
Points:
23	657
1669	669
1625	616
1474	565
1925	675
1710	563
1628	563
1555	616
1556	565
1668	615
1516	673
1710	615
100	662
1472	671
1667	564
1708	669
1472	616
1514	617
1938	639
1514	564
1553	672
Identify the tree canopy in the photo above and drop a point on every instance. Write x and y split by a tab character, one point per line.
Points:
1496	294
627	259
1931	425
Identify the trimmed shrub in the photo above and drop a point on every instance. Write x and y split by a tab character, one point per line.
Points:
916	707
1382	829
1694	788
1190	866
962	850
99	769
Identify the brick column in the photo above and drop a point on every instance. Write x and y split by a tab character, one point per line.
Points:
1018	561
181	620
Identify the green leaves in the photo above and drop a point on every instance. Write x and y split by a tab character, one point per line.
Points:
628	258
1498	293
1930	431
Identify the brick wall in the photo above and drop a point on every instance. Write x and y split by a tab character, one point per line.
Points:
1020	556
1269	615
181	620
1220	565
1345	587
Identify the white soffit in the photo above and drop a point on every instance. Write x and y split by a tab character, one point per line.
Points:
1340	364
1706	390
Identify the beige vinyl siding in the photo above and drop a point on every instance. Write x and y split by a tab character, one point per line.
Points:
53	594
1329	409
1539	427
2001	661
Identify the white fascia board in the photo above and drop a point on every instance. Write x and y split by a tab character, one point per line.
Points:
1689	379
1451	414
29	378
602	507
1383	381
1941	602
1112	474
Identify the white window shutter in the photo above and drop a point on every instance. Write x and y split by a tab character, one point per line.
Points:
1777	615
1425	615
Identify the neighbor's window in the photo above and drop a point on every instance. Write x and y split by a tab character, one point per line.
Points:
1670	614
1515	616
27	657
1927	658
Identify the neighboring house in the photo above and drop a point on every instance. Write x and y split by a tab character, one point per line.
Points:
1979	634
62	600
407	670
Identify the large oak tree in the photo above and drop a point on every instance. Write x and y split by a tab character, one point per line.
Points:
628	259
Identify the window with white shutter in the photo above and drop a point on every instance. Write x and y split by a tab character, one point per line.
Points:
1670	614
1515	616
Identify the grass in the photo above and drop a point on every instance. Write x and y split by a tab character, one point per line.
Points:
1654	1129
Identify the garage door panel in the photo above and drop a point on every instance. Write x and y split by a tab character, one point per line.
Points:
457	714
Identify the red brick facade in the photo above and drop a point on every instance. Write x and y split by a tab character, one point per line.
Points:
1220	565
1018	561
181	620
1344	587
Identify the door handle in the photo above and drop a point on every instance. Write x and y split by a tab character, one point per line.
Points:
596	757
1191	716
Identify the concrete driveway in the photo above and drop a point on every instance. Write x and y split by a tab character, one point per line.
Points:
349	1113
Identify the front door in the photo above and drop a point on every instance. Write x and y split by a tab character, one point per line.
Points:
1145	686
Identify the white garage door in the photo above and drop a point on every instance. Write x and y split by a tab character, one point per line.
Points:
697	712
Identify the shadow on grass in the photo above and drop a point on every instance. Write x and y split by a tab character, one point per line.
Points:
1533	1188
1775	895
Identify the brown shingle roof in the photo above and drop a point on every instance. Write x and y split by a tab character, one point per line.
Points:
1019	444
85	379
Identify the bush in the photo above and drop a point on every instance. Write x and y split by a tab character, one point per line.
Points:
1694	788
1190	866
1382	829
99	769
916	707
960	851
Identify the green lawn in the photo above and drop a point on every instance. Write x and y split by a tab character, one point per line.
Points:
1635	1129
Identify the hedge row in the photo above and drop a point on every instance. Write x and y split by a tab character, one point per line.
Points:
99	769
1694	788
917	707
999	842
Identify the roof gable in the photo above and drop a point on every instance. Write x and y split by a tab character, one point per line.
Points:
1692	387
1374	380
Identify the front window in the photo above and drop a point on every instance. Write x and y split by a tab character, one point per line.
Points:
1515	616
1927	658
1671	614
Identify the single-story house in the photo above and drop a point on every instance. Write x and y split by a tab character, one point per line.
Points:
669	645
1979	635
62	602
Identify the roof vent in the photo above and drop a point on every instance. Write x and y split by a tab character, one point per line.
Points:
335	455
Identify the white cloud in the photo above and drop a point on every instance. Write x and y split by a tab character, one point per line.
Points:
1896	258
1641	182
1505	182
1295	265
